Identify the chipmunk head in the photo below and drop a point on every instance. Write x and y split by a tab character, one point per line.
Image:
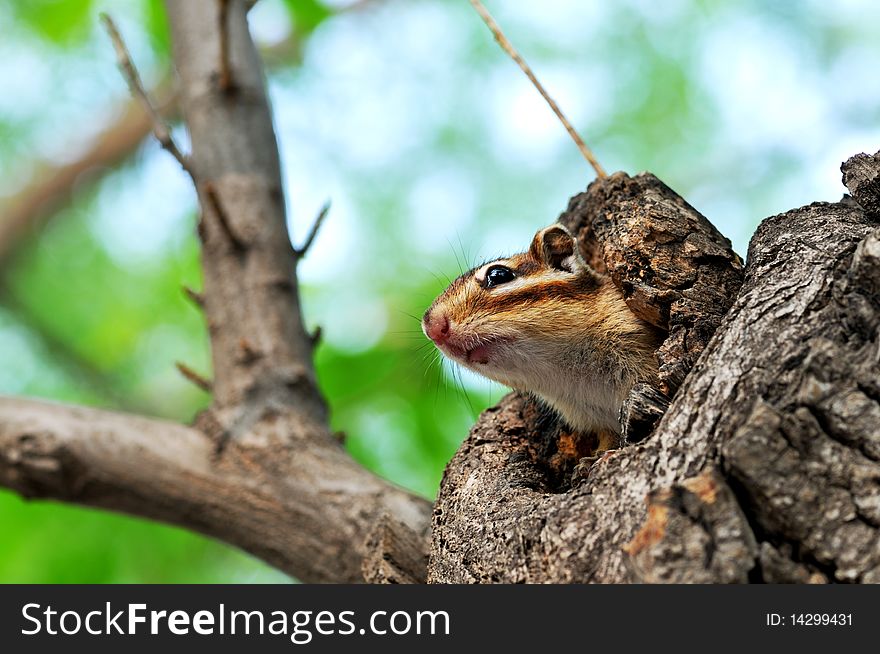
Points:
545	322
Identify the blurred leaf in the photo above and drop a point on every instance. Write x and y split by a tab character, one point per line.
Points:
306	15
130	322
157	29
61	22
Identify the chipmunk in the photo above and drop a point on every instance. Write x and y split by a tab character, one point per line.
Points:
545	323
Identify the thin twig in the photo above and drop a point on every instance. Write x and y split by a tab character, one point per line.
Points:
225	79
213	198
510	50
197	298
315	336
130	73
194	377
319	219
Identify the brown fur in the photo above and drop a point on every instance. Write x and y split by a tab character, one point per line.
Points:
559	330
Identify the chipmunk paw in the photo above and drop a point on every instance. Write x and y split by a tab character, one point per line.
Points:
587	466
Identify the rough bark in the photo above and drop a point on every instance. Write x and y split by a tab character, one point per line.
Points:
675	269
765	466
395	554
861	175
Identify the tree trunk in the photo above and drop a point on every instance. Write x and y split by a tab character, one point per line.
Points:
765	466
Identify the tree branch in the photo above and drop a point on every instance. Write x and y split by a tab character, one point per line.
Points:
191	375
307	511
507	46
219	212
194	296
160	130
251	294
301	251
225	75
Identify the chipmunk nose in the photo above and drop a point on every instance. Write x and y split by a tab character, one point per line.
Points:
436	326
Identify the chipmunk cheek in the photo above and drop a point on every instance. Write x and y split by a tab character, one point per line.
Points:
479	354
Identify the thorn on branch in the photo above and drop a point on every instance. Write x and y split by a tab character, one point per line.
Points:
315	336
160	129
194	377
249	353
210	193
224	81
197	298
507	46
319	219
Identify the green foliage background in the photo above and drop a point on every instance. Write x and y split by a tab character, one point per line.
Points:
435	152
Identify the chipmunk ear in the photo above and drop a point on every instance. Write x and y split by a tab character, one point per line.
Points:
557	248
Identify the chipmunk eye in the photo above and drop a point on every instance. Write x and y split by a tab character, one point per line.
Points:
498	275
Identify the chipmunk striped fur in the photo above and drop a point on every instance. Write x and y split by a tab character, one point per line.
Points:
545	323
